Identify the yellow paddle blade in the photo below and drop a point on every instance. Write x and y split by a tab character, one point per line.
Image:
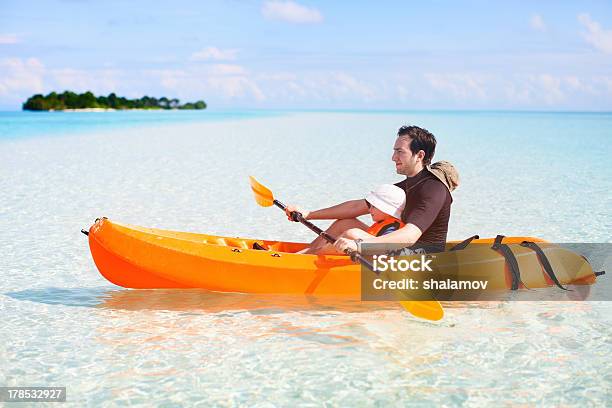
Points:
263	195
425	309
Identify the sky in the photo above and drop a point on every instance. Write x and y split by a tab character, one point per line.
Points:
303	54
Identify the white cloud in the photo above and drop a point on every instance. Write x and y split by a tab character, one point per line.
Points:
475	90
214	54
574	82
459	86
291	12
605	82
403	93
317	88
343	84
517	93
278	76
237	84
598	37
169	79
236	87
8	39
21	76
550	88
221	81
537	23
104	80
227	69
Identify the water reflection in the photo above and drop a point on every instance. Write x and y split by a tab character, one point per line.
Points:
83	297
215	302
193	299
257	304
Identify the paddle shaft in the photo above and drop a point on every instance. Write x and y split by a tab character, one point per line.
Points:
431	310
296	216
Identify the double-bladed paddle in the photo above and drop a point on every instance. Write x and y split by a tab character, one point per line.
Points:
425	309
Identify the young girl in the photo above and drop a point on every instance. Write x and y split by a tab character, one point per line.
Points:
385	204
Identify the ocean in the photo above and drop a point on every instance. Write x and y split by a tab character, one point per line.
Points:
542	174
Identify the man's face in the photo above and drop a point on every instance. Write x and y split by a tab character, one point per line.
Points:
406	162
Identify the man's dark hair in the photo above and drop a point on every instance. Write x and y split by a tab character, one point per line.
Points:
421	139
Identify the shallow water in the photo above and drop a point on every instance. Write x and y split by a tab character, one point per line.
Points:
538	174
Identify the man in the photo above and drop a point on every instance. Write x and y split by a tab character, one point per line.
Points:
428	200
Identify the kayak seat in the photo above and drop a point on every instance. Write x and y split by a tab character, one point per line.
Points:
234	243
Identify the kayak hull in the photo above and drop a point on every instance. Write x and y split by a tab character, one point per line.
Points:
146	258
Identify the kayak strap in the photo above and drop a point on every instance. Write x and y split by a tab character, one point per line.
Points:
544	261
505	250
463	244
600	273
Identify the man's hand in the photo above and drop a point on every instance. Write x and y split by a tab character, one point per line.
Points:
342	244
294	208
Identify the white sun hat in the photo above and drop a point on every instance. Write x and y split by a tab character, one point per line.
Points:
388	198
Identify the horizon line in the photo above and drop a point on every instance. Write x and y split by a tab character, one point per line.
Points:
363	110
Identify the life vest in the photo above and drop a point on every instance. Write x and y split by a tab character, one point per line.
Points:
389	224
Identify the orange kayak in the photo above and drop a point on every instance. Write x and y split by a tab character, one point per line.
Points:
137	257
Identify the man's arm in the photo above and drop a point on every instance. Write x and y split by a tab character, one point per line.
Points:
348	209
408	234
420	217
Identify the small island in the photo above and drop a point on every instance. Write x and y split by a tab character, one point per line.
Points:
71	101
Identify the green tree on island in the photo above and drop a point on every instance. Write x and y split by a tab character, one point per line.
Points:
87	100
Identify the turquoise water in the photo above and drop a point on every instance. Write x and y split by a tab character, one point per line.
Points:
538	174
32	124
